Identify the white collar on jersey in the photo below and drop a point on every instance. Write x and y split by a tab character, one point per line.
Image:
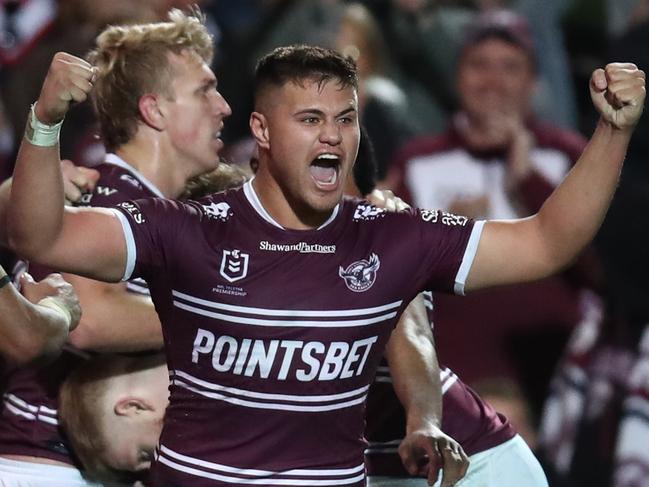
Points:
253	199
115	160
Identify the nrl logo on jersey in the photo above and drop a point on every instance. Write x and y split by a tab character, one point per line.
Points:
366	211
219	211
234	265
360	275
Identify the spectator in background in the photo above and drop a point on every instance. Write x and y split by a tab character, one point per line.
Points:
384	105
496	160
425	37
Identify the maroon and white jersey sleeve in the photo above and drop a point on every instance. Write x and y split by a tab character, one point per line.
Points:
273	336
445	245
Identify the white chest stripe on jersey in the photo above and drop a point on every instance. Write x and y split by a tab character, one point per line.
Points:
283	402
19	407
287	318
217	471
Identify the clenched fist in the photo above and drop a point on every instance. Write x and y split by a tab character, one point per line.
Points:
618	92
69	79
53	286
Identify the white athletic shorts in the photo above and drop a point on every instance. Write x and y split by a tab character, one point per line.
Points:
14	473
511	464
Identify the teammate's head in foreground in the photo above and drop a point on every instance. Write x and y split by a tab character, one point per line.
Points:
306	127
154	81
112	409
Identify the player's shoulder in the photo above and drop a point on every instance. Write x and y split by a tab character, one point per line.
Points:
217	207
365	213
118	182
118	176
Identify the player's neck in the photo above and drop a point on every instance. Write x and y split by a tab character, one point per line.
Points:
148	158
289	215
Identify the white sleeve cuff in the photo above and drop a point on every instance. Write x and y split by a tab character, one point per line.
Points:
131	250
467	259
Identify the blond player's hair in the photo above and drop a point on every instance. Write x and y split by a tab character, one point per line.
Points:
80	398
224	177
133	60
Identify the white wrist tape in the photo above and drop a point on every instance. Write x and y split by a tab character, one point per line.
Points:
54	304
39	133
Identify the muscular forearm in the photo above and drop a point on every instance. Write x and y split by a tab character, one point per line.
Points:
37	197
571	216
36	212
414	368
415	375
114	320
533	248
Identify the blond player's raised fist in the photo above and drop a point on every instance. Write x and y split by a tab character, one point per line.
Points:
69	79
618	92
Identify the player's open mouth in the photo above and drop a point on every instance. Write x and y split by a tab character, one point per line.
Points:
325	169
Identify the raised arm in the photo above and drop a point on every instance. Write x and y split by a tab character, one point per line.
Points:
38	323
83	241
535	247
76	181
415	375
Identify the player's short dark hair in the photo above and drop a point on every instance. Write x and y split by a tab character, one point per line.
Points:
299	63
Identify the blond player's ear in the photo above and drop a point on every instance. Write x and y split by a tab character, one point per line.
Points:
259	129
151	112
130	406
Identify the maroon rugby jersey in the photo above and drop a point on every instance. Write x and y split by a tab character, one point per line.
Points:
28	423
466	417
273	336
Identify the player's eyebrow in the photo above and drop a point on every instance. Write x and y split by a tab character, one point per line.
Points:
317	111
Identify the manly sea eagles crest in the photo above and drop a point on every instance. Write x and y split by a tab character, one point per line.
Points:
360	275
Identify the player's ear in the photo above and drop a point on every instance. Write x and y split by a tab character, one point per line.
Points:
259	129
151	111
130	406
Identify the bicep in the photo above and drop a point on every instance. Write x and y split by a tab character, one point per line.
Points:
510	252
91	243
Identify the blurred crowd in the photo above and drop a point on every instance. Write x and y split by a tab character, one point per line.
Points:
476	107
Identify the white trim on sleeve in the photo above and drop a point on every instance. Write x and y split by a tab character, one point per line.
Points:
467	259
131	250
